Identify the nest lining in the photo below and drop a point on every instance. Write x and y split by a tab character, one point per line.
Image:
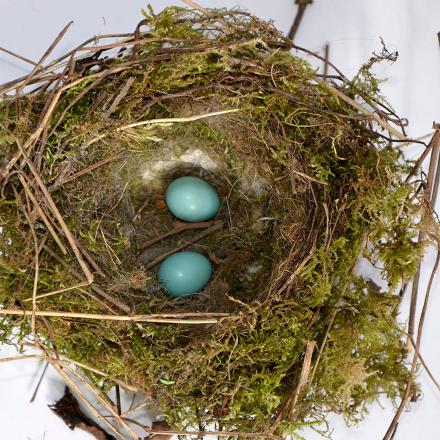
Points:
287	331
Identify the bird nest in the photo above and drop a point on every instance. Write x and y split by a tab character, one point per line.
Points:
312	181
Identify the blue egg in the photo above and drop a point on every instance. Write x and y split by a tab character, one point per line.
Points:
185	273
192	199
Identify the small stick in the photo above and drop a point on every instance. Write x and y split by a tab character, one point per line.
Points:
21	357
89	258
216	226
120	97
199	8
27	60
43	215
74	101
133	410
93	286
160	121
436	182
433	175
414	294
305	371
417	140
140	41
393	425
118	399
88	275
101	373
79	364
178	318
434	141
362	109
302	5
33	138
326	57
55	292
73	386
425	366
98	396
238	434
34	395
289	281
42	59
177	229
98	300
37	268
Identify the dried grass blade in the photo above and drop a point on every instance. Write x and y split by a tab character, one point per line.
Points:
178	318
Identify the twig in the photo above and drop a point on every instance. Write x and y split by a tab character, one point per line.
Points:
390	432
177	229
425	366
216	226
436	182
73	386
118	399
34	395
56	292
305	371
43	215
433	176
204	11
91	167
102	373
88	275
102	400
27	60
93	286
32	139
120	97
362	109
140	41
43	59
289	406
237	434
21	357
302	5
36	264
326	56
133	410
434	141
176	318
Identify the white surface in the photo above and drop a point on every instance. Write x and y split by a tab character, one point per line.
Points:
353	28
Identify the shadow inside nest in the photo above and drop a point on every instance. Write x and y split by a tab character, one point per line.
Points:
235	241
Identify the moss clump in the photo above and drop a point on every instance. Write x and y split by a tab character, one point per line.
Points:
309	186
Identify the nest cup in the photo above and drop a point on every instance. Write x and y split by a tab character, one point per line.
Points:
286	331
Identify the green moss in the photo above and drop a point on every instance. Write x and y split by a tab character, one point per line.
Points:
308	188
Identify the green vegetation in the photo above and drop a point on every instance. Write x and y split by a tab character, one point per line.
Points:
328	189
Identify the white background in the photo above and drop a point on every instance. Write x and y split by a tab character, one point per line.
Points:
352	27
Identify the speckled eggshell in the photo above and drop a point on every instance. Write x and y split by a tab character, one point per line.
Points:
185	273
192	199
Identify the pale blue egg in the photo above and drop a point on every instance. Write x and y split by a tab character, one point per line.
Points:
185	273
192	199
